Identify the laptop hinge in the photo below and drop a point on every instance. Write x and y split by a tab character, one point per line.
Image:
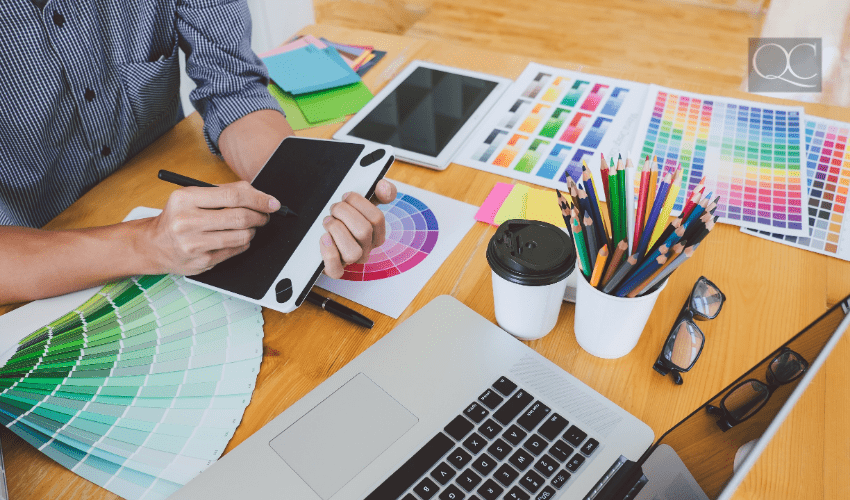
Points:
623	481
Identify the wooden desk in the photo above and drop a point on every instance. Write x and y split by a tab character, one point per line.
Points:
770	297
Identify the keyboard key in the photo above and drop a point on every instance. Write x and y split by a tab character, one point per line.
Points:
491	399
517	493
560	478
468	480
521	459
575	436
476	412
505	386
575	462
459	458
484	464
590	446
533	415
443	473
506	474
417	466
561	451
513	407
473	497
490	490
546	466
531	481
426	489
474	443
459	427
452	493
514	435
490	429
546	494
499	449
409	496
553	426
535	444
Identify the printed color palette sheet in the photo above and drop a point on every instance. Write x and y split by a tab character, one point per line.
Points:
551	119
750	154
828	169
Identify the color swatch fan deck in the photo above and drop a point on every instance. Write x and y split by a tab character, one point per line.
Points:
551	119
828	168
750	154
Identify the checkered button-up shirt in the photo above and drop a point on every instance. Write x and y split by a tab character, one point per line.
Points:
86	85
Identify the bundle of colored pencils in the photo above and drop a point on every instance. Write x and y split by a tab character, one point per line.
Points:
608	258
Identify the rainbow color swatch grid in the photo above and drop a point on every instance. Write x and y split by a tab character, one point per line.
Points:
140	388
412	232
828	166
749	153
549	121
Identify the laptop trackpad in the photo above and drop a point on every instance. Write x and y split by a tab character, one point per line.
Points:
343	434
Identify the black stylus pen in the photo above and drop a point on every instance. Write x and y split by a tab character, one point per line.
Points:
183	181
340	310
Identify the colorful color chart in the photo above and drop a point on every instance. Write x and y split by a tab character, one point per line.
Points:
140	388
412	234
750	154
422	230
549	120
828	168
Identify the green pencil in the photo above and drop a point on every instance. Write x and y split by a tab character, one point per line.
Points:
621	189
581	249
613	201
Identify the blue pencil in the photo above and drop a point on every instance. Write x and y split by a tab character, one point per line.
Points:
662	249
640	277
652	220
587	178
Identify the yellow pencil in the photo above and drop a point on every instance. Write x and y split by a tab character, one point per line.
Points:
664	216
601	257
653	187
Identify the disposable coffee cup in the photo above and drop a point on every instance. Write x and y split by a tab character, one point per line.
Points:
530	262
607	326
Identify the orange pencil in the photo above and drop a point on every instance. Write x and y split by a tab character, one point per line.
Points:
653	187
601	257
619	252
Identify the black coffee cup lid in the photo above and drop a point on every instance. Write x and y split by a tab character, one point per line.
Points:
530	252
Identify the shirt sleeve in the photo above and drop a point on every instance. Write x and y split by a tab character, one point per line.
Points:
231	79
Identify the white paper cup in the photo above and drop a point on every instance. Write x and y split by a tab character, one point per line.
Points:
530	262
608	326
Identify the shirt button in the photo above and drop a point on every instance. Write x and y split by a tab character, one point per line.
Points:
58	19
106	151
89	95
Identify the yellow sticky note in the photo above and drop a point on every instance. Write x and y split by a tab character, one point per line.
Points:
542	205
514	205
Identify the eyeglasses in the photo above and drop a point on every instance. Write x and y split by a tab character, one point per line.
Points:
750	396
685	342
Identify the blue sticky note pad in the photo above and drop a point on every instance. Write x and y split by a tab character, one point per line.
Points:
309	69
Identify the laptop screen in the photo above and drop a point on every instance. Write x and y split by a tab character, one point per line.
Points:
718	459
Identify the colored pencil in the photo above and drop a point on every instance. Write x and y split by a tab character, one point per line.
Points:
614	203
693	198
592	243
621	192
670	200
639	278
676	250
620	274
662	249
601	257
697	211
565	213
614	262
674	225
581	248
652	220
668	270
603	172
629	200
643	192
590	188
653	188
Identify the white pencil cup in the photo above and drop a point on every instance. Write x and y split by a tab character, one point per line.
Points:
608	326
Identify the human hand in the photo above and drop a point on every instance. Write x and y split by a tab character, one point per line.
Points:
202	226
354	228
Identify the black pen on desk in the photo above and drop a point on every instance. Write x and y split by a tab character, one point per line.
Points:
183	181
340	310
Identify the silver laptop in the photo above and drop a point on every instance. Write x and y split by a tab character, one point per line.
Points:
448	406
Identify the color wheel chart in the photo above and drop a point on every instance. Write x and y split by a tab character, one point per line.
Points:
551	119
749	153
140	388
422	230
412	234
828	166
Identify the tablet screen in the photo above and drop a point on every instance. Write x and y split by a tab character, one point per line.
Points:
425	111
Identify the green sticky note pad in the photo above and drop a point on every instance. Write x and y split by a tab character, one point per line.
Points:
294	115
333	103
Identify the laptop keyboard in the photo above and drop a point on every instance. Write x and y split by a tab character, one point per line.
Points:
506	445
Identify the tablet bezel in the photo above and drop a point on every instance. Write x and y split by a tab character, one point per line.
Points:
442	161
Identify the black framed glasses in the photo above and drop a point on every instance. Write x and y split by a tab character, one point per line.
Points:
685	341
750	396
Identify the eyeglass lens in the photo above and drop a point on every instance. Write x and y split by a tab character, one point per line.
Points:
684	345
786	367
707	299
747	399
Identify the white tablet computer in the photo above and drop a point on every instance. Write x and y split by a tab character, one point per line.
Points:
426	112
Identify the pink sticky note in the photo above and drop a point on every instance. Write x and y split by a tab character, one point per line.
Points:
297	44
493	203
